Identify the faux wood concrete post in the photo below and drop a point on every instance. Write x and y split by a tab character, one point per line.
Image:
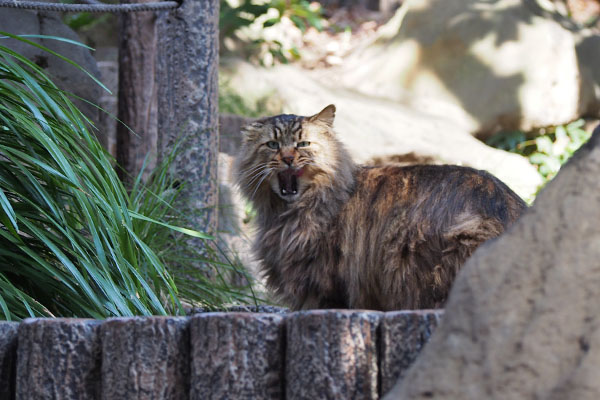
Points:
403	335
58	359
332	355
8	358
237	356
187	67
137	92
145	358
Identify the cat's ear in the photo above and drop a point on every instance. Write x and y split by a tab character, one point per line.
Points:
327	115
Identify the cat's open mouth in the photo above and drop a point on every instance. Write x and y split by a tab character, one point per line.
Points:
288	181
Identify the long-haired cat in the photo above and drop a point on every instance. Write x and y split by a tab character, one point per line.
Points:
332	234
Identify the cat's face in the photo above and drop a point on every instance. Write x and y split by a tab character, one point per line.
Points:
288	153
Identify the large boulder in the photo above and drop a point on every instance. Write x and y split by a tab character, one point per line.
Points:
489	65
375	129
523	320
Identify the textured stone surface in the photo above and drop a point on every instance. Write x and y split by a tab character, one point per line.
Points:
589	66
145	358
8	358
236	234
505	64
186	71
243	309
137	93
230	127
522	320
58	359
332	354
237	356
241	354
109	71
403	335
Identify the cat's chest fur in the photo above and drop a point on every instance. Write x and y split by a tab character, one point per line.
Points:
299	250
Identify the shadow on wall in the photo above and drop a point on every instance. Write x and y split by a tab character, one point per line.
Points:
446	52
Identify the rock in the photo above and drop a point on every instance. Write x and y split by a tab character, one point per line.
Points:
259	309
331	355
107	124
374	128
522	319
234	231
589	66
64	75
487	65
145	358
403	334
230	126
8	358
237	356
58	359
242	309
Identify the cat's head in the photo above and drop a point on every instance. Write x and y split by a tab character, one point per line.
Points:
287	154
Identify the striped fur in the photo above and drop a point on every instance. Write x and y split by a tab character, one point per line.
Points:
379	238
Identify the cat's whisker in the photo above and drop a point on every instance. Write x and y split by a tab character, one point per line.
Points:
259	169
257	186
258	175
252	176
252	169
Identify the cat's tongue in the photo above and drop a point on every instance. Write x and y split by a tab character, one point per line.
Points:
288	181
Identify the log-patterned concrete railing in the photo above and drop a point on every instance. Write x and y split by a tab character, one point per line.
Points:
324	354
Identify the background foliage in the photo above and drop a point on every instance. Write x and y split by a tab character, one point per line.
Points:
245	22
548	149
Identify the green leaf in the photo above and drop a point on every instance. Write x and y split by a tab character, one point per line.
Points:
299	22
57	38
544	144
185	231
271	22
8	211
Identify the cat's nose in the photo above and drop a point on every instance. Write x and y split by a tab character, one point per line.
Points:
288	159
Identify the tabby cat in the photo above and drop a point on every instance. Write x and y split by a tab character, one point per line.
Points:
332	234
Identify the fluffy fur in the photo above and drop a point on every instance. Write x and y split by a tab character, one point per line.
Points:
332	234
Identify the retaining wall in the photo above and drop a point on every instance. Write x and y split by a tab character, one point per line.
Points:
324	354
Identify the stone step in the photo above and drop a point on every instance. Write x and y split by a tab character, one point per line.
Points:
324	354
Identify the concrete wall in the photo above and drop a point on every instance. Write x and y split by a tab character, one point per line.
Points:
334	354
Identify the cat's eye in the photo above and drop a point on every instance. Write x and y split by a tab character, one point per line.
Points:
303	144
272	144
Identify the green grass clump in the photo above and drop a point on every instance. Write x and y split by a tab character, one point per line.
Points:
200	267
73	241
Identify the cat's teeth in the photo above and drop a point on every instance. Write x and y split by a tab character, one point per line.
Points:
294	192
283	191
